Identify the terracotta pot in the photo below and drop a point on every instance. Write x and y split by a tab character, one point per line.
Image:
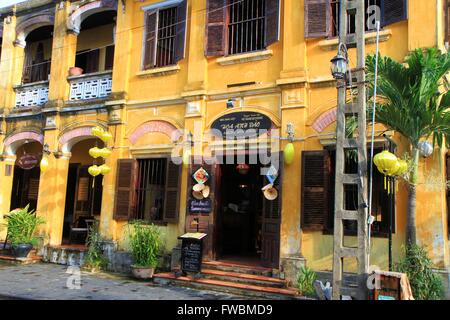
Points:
75	71
142	272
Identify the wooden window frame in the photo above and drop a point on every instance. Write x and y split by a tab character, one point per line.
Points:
329	218
156	8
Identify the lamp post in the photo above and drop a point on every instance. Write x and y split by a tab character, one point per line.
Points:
339	63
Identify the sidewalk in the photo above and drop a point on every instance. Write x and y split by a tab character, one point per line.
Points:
49	281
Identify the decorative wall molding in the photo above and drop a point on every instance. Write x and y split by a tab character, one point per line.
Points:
12	142
155	126
29	23
90	86
324	120
80	13
31	95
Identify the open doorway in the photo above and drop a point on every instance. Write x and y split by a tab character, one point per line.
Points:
239	216
26	176
83	194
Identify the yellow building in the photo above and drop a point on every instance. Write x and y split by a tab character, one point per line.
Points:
158	72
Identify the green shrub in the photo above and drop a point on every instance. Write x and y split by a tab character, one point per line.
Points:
21	225
305	281
425	284
146	244
94	256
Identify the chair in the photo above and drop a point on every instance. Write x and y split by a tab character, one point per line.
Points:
80	227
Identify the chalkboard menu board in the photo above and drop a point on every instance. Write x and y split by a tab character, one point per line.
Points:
200	206
192	252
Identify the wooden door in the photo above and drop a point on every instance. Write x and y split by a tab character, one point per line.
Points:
271	221
217	205
25	188
82	191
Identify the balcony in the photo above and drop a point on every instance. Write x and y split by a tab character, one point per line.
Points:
31	95
89	86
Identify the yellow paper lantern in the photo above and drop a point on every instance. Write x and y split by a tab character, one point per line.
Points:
94	170
97	131
289	153
105	153
403	167
105	136
104	169
95	152
44	164
386	162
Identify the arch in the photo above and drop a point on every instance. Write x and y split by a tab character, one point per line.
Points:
24	28
324	120
13	142
161	126
68	139
83	12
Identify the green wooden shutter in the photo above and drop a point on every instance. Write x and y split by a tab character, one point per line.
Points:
172	192
125	189
317	18
216	13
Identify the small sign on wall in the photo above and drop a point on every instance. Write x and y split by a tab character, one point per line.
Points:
200	206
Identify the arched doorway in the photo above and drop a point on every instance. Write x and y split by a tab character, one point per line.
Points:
83	193
26	176
38	54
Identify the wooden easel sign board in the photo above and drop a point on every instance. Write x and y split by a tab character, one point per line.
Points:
392	286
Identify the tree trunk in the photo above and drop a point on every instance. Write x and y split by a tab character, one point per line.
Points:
411	214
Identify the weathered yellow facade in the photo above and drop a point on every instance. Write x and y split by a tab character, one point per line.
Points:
290	82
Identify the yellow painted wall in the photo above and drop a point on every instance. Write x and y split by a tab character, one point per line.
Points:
292	86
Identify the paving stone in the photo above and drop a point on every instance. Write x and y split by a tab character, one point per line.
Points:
45	281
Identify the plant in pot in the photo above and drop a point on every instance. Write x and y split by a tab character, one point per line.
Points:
21	226
94	260
75	71
146	245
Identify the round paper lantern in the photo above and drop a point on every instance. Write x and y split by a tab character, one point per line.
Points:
386	162
105	153
97	131
243	168
289	153
425	148
94	170
105	136
104	169
44	164
95	152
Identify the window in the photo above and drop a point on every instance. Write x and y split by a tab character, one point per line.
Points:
147	189
165	35
150	189
246	26
318	181
369	25
240	26
88	60
322	16
35	68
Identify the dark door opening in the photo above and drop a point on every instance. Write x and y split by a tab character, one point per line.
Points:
25	188
239	214
83	203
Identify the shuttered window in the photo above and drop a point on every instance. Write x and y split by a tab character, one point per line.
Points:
315	173
240	26
322	16
153	192
165	36
317	200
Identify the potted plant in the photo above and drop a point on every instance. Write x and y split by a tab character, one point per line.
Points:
94	260
21	225
75	71
146	245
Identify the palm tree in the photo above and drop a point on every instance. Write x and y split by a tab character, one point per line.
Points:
412	102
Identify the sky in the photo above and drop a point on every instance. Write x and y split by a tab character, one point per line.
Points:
5	3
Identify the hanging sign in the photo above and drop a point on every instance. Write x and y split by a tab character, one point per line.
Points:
245	121
27	161
200	206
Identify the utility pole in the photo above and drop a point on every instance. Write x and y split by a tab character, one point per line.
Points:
342	253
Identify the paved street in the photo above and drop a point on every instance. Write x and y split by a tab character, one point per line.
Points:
49	281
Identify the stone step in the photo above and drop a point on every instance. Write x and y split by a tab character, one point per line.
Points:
243	278
247	290
65	255
237	268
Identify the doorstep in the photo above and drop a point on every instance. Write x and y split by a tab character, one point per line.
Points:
28	260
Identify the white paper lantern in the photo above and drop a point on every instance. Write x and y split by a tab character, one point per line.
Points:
425	148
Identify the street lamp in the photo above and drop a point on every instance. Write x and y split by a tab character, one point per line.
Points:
339	63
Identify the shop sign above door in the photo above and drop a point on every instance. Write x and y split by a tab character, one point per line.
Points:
252	123
27	161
